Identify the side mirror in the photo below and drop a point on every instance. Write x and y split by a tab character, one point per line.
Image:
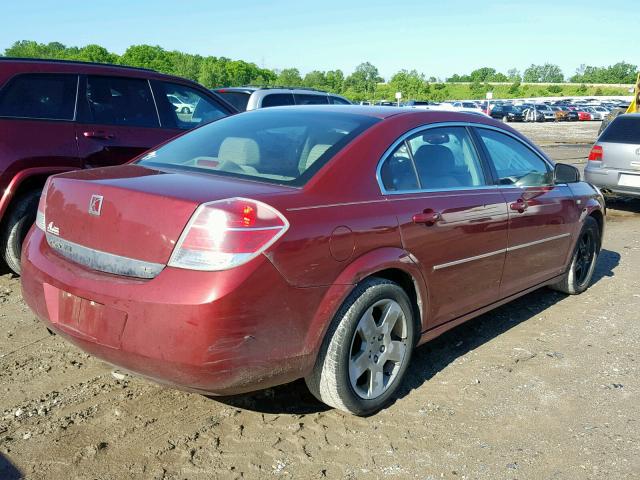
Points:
563	173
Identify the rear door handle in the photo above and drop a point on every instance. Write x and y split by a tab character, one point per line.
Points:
427	217
98	134
519	205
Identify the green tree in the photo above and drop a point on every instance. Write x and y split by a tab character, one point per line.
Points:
547	73
147	56
289	77
364	79
411	84
335	81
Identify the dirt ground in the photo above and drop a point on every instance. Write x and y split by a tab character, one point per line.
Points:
547	387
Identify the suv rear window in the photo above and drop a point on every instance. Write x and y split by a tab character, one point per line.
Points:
623	129
44	96
281	146
240	100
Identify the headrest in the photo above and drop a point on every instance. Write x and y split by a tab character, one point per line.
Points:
243	151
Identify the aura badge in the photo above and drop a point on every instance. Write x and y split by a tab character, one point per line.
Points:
95	205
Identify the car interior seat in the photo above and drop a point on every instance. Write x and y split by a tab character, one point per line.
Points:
436	167
238	154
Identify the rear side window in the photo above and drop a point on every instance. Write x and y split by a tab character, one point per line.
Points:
309	99
44	96
277	100
121	101
442	158
624	129
240	100
183	107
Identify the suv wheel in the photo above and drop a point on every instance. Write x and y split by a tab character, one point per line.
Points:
17	223
366	350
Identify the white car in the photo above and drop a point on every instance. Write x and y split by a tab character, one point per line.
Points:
180	105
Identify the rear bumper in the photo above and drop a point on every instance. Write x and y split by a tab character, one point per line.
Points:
608	179
213	332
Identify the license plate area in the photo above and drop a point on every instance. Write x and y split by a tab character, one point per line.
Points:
626	180
85	318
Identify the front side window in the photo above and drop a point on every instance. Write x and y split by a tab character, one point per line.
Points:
435	159
121	101
514	162
281	146
40	96
339	101
183	107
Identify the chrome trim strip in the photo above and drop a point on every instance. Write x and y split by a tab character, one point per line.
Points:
103	261
470	259
497	252
537	242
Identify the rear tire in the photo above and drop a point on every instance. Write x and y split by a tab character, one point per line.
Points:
583	263
366	350
16	226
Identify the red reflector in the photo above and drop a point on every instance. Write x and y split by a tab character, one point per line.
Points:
595	155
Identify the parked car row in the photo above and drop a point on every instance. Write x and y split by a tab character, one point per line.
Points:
232	257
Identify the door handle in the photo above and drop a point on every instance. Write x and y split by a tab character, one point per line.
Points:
519	205
98	134
427	217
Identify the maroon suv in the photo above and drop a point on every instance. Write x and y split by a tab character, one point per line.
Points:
57	116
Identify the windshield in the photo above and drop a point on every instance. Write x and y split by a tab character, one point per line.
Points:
276	145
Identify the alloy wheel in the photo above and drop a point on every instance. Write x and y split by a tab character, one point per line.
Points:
378	349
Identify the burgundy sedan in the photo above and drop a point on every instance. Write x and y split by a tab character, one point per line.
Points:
322	243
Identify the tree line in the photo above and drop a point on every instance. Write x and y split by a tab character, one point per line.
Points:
365	83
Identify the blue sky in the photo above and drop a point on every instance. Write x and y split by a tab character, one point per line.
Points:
438	38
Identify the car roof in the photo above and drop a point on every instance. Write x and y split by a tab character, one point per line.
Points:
43	65
251	89
382	112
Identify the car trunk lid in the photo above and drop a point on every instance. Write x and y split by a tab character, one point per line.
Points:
620	156
127	219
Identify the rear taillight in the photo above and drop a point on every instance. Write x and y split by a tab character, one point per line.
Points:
40	219
227	233
595	155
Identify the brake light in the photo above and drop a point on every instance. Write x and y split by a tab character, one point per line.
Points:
595	155
41	223
227	233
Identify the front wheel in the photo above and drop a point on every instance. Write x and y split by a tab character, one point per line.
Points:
366	350
583	263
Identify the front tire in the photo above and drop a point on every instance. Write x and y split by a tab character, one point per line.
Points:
366	350
17	224
583	263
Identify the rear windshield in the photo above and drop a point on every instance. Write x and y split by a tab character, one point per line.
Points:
237	99
281	146
624	129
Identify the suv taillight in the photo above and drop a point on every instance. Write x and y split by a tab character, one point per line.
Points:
595	155
227	233
41	223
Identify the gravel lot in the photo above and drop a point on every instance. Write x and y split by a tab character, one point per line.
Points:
545	387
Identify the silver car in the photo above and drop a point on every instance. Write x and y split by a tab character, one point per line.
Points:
614	161
251	98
